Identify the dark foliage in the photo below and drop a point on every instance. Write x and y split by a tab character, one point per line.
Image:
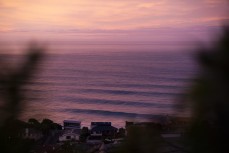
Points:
11	84
210	100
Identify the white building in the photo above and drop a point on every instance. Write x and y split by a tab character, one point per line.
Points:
70	135
71	131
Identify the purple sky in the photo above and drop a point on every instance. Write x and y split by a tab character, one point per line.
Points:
111	20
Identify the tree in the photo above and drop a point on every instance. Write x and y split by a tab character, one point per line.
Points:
46	126
84	134
12	95
141	139
121	132
34	123
209	99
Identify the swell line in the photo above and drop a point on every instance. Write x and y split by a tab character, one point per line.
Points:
111	113
115	102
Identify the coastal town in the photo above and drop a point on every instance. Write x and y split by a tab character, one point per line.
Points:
100	137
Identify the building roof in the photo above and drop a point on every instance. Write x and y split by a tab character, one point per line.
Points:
103	128
101	123
71	121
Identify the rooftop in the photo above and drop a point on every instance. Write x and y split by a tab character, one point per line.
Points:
103	128
71	121
101	123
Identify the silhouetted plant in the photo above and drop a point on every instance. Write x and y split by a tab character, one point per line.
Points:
141	139
209	131
34	123
84	134
48	125
12	96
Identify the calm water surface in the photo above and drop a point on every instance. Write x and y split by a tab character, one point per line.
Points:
112	87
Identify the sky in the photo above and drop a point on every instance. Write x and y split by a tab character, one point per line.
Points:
111	20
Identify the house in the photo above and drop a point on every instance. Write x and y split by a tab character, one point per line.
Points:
72	130
104	128
70	124
70	135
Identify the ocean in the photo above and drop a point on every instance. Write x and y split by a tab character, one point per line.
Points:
109	86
